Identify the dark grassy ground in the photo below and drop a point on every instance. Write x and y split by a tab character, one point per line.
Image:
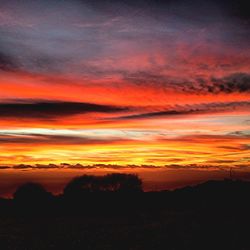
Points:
164	230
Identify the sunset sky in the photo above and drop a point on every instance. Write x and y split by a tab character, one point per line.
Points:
159	88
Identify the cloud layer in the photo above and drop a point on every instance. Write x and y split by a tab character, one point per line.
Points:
43	110
161	83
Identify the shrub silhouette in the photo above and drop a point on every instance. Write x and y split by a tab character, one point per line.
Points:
31	193
109	183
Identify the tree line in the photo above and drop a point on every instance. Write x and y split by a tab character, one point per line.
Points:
119	193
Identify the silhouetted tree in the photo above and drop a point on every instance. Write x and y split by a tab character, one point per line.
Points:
123	183
80	185
108	183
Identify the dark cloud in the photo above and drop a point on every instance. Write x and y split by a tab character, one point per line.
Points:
4	167
6	63
190	110
42	36
22	166
79	166
222	162
239	8
203	8
45	139
148	78
50	110
239	133
238	82
156	114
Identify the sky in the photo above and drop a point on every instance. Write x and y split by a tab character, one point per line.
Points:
159	88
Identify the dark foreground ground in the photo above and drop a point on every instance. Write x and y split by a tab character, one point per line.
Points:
187	219
159	231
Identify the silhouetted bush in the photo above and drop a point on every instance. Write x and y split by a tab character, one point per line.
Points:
32	198
31	192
